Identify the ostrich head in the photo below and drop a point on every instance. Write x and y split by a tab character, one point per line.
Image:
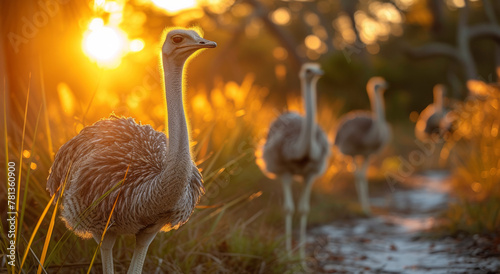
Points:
181	43
376	85
310	72
438	92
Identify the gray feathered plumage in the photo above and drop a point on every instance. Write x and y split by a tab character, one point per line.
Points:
435	121
162	184
352	136
99	157
361	134
283	135
296	145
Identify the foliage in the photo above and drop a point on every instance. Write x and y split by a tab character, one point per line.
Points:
476	158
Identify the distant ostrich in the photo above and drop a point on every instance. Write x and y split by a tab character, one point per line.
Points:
296	145
162	185
362	134
433	122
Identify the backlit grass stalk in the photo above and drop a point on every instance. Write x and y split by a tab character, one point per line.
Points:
37	226
51	225
26	187
18	191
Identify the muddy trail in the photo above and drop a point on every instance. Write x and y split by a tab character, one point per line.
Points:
393	242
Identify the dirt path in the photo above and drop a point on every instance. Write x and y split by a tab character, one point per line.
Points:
391	243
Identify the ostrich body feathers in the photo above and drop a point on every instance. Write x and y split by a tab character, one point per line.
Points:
277	152
354	138
98	158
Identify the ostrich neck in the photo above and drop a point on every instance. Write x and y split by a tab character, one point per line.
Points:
178	144
308	128
438	101
378	107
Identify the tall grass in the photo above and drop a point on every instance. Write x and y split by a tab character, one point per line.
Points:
475	156
236	228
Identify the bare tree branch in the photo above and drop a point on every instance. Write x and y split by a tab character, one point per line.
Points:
435	50
481	31
284	38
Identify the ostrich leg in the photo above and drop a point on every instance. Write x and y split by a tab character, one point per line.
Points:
304	211
142	242
362	185
106	251
288	206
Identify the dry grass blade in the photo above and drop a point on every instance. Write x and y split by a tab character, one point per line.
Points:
51	225
224	207
91	99
18	191
203	142
213	175
209	206
46	114
107	222
26	187
215	157
28	247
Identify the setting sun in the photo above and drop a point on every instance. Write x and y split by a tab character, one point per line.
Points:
102	43
175	6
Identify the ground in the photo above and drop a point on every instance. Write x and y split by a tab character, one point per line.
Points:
393	239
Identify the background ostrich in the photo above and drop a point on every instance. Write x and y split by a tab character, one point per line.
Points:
162	185
296	145
362	134
432	122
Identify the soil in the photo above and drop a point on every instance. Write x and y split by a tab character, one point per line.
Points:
392	240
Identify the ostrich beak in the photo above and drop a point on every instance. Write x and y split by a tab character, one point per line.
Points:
383	87
318	72
204	43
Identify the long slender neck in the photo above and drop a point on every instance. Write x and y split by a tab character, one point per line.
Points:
308	124
178	144
378	106
438	100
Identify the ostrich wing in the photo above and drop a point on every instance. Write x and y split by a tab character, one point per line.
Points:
278	155
101	154
281	137
351	135
197	181
433	124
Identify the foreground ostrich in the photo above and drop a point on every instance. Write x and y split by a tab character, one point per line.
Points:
162	184
432	122
296	145
362	134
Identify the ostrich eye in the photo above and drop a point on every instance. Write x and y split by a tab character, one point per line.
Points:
177	39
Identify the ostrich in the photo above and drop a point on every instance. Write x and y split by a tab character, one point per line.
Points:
362	134
161	184
296	145
433	121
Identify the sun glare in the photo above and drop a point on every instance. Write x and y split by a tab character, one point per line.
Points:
136	45
174	6
104	44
